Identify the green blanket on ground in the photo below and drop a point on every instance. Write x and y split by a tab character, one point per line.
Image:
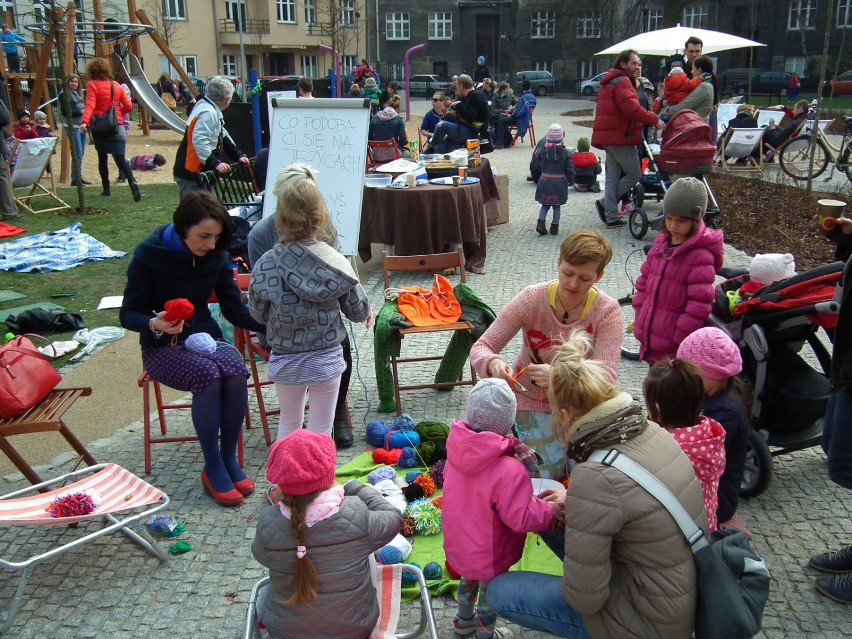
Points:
537	556
387	342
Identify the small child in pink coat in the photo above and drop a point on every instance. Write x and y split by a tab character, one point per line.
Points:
674	392
488	503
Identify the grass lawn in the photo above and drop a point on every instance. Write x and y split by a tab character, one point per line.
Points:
126	224
839	103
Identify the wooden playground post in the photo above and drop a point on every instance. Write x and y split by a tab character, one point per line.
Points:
161	44
40	82
100	47
136	50
70	38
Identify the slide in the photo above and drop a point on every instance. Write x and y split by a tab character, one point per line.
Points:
147	96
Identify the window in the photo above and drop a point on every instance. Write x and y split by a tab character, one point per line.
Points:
396	71
795	64
229	65
652	19
310	12
347	13
174	9
543	65
397	26
309	65
844	14
440	26
235	11
286	10
587	68
9	6
348	62
802	15
695	17
188	62
542	24
589	25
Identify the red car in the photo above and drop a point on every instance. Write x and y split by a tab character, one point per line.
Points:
842	84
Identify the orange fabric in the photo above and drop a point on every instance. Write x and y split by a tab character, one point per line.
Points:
98	100
422	307
193	163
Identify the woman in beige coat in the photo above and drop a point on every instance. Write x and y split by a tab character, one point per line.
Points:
627	571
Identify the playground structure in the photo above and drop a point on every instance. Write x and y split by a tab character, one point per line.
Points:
122	38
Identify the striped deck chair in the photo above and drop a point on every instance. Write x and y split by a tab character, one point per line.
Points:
388	583
113	489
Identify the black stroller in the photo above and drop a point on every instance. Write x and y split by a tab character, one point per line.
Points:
790	395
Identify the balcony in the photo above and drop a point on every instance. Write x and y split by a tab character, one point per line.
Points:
252	25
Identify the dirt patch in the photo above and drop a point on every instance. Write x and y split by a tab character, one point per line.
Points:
580	113
76	212
760	216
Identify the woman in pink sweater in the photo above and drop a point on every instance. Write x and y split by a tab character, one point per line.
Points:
546	314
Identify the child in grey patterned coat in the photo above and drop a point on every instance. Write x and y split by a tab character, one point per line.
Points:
300	288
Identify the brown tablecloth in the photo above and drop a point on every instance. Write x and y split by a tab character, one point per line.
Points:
427	219
486	180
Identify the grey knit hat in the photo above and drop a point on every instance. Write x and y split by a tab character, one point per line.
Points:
491	406
686	197
370	82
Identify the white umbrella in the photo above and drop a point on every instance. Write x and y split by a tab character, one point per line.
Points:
669	41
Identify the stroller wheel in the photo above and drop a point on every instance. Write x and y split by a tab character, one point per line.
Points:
629	343
638	195
757	471
638	223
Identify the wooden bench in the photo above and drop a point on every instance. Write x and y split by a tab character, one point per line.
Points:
46	416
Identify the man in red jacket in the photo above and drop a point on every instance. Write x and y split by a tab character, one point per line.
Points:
617	130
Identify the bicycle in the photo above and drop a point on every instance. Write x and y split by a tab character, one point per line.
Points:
795	156
629	344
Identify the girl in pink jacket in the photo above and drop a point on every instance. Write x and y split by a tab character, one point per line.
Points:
674	392
675	287
488	506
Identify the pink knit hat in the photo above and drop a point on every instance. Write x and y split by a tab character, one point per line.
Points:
302	462
715	353
555	133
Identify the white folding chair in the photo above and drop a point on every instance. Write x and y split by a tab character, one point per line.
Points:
113	489
745	147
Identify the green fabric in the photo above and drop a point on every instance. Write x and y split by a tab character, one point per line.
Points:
10	296
387	343
537	556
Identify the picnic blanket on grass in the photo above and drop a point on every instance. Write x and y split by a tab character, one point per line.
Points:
57	250
537	556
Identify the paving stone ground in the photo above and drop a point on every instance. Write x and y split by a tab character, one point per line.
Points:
111	589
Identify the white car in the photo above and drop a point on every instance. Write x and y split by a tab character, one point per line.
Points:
592	85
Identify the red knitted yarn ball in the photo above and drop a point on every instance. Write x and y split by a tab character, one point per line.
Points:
426	483
389	457
178	309
409	526
73	505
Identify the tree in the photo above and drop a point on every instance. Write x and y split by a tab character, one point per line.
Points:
342	22
167	27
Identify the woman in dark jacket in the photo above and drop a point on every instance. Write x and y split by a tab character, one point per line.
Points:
72	105
186	259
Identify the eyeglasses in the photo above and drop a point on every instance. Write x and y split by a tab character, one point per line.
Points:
437	100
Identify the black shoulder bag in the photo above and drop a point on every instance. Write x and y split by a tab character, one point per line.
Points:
106	125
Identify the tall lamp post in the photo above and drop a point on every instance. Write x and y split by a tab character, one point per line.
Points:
406	65
338	81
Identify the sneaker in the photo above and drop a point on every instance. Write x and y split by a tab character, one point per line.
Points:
121	180
12	216
599	205
502	633
464	627
616	224
839	561
627	209
838	587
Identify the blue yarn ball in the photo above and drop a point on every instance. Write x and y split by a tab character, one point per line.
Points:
408	459
411	475
409	579
377	430
380	474
433	570
403	439
390	555
403	422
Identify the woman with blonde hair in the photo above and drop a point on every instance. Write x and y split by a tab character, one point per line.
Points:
102	93
626	570
300	287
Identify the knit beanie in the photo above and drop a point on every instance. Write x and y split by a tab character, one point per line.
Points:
481	59
686	197
370	82
676	70
555	133
583	145
716	354
40	114
491	406
302	462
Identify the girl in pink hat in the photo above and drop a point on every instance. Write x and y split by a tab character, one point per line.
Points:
557	173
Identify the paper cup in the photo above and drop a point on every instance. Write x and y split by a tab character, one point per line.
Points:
456	180
827	213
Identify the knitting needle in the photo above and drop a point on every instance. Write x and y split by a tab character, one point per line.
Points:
516	385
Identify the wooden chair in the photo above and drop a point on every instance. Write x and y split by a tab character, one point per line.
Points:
743	145
381	152
44	417
436	262
530	130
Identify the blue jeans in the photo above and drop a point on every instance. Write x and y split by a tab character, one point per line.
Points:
534	600
837	436
79	149
449	136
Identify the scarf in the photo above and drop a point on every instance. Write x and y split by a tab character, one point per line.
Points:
326	504
173	241
613	422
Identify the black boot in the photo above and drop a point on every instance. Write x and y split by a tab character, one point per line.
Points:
106	192
554	229
134	188
540	228
343	437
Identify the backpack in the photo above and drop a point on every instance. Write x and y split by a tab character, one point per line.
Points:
687	145
238	249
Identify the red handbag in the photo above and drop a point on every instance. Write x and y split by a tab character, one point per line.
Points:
26	376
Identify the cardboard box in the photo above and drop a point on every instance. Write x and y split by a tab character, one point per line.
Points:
503	203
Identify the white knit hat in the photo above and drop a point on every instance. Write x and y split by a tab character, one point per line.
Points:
555	133
491	406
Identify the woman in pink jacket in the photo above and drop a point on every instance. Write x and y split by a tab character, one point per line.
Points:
488	503
675	288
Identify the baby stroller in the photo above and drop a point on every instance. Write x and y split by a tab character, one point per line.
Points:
790	385
687	149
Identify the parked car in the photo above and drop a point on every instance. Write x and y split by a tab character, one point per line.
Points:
767	82
842	84
592	85
426	84
541	82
